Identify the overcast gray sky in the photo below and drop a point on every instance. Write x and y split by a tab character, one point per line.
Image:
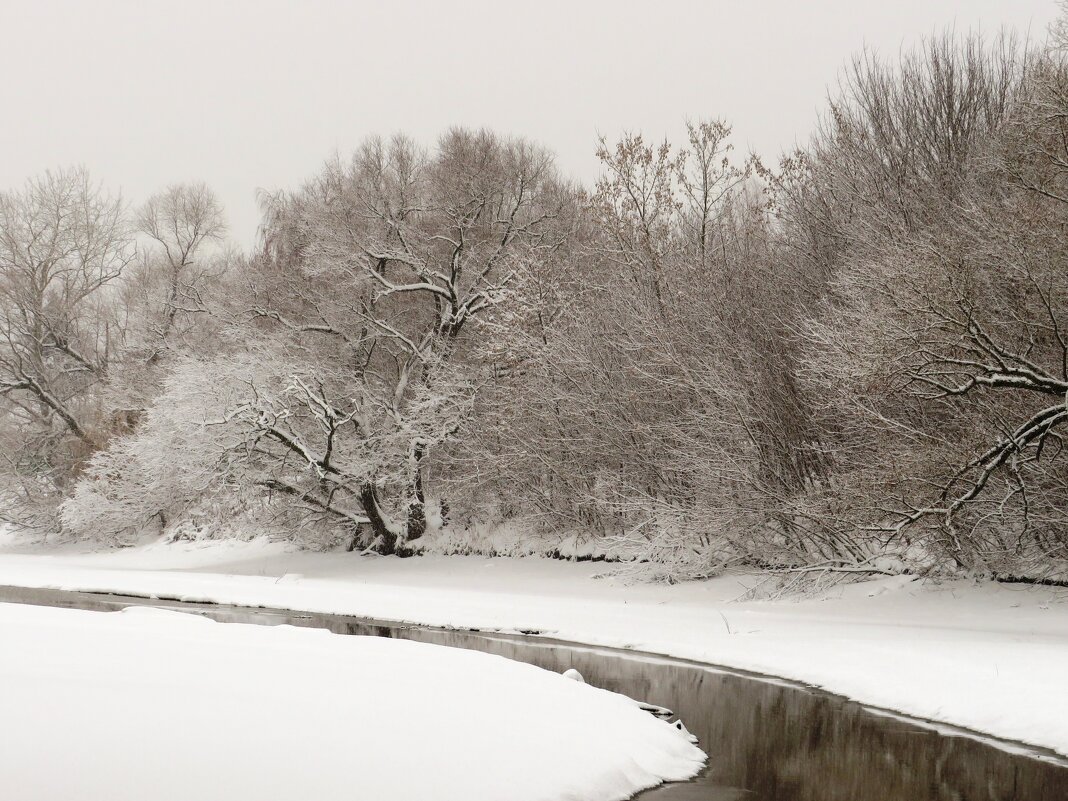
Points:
257	93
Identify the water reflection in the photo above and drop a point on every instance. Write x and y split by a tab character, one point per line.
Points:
780	743
765	741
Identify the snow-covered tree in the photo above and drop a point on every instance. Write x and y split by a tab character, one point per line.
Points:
371	286
63	244
939	353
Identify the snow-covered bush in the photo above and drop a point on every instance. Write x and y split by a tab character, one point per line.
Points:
182	453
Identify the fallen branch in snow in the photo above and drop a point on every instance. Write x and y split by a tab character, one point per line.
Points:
1045	582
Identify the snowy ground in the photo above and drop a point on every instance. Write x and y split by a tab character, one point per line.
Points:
150	705
988	657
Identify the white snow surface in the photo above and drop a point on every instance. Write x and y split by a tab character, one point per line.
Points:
153	705
989	657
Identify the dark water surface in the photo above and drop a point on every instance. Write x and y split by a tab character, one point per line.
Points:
766	740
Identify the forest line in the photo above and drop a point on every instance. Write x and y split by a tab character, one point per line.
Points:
852	360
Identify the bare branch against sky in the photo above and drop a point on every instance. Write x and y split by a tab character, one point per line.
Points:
257	93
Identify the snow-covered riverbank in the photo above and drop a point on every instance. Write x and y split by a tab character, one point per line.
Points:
988	657
149	705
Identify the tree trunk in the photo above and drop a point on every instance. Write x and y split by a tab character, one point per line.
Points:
417	506
386	539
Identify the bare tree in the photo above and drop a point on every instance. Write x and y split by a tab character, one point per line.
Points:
180	222
942	340
372	280
62	244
